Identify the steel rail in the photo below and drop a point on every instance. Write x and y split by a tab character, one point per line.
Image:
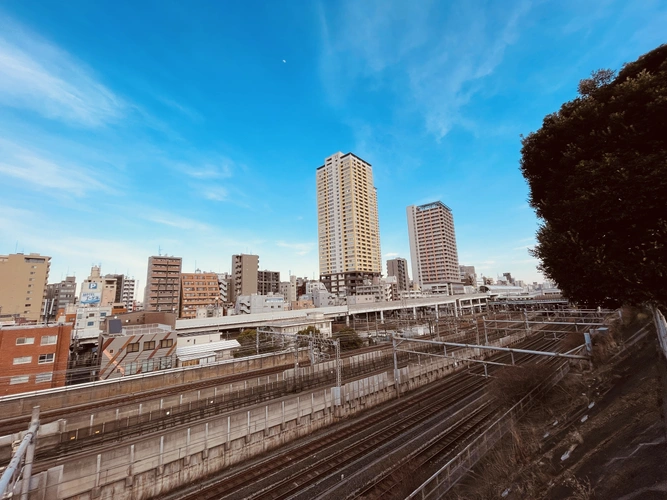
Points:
494	348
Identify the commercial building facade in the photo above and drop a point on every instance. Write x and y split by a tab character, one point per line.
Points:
348	225
33	357
23	283
433	244
163	284
97	290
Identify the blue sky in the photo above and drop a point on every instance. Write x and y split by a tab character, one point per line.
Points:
196	127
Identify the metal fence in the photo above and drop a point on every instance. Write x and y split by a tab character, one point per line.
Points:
442	481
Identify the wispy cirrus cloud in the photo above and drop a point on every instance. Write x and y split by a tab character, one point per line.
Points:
299	248
218	168
37	170
430	57
173	220
39	76
215	193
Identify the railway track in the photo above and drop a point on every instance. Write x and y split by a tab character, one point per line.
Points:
342	449
17	424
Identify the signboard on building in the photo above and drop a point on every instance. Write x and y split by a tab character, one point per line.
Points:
91	298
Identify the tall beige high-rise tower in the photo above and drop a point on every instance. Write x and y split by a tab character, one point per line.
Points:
433	252
23	282
348	226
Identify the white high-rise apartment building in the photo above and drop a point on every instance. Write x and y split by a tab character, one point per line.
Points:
348	226
433	245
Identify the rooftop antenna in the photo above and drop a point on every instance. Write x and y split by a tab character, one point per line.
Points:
16	247
159	251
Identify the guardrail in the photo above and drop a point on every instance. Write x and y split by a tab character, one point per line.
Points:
442	481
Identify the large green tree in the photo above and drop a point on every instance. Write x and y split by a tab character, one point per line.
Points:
597	171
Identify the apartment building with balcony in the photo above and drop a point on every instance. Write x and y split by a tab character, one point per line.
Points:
198	290
61	294
433	246
268	282
163	284
398	267
348	225
23	284
245	269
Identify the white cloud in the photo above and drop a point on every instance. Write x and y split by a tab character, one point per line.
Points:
173	220
32	168
434	63
391	255
38	76
215	193
299	248
222	169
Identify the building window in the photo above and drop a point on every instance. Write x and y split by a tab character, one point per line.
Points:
147	366
133	347
90	323
22	360
103	315
25	340
43	377
166	343
46	358
165	363
149	346
131	368
21	379
49	339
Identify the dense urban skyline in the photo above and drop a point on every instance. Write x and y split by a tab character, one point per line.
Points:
119	140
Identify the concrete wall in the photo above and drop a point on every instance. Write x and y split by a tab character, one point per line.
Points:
21	405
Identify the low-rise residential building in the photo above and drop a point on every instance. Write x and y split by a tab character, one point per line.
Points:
381	291
210	312
131	350
302	304
360	299
88	323
410	294
288	289
33	357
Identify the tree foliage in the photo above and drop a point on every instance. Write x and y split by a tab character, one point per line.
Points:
349	339
248	340
310	330
597	172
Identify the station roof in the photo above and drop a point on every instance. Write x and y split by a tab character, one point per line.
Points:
205	350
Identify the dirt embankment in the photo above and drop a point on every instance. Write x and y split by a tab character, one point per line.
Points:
597	435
